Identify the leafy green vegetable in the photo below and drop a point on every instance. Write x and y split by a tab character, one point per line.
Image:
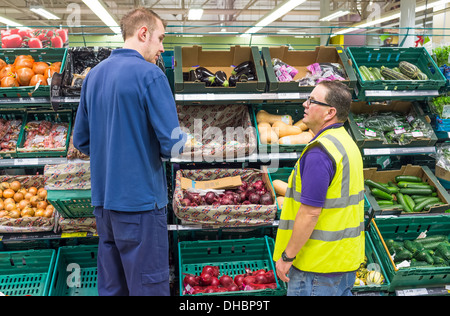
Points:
442	54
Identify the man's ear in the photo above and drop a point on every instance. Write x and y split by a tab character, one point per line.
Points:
142	33
332	112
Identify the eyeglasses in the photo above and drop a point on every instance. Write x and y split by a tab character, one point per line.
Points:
309	101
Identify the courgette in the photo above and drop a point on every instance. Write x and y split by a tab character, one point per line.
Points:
365	73
424	256
419	206
379	186
381	194
439	260
385	202
409	201
411	191
412	246
402	202
415	185
407	178
392	190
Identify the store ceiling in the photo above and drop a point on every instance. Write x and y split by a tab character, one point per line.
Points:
219	15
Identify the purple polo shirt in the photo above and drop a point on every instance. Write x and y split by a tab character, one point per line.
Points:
317	170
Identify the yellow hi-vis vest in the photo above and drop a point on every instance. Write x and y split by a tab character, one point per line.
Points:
337	242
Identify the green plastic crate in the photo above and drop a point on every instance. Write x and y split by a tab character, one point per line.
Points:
373	263
390	57
28	272
403	228
49	55
81	261
300	60
71	203
193	56
232	257
60	116
9	114
279	109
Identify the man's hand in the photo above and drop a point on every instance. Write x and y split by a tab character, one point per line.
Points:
283	269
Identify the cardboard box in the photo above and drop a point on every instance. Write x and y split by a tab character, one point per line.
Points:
404	107
223	215
422	172
300	60
187	57
222	183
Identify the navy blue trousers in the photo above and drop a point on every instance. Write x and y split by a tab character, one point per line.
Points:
133	253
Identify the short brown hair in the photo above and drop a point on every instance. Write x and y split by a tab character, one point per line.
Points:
339	96
136	18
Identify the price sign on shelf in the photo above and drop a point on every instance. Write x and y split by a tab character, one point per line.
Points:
25	161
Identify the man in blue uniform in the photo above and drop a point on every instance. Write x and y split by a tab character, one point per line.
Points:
127	121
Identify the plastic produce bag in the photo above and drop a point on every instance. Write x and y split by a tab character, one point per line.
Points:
443	156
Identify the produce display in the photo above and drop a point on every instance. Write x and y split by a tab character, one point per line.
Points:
404	71
283	71
280	129
25	71
408	193
210	280
441	106
34	38
45	135
318	72
9	134
431	251
280	188
392	127
247	193
366	277
243	72
17	201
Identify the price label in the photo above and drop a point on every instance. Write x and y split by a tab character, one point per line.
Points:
74	235
26	162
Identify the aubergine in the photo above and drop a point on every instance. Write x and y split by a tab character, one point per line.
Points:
246	66
193	76
203	72
209	81
247	77
221	79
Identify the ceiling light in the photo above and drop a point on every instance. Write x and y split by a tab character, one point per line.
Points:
195	14
103	14
335	15
274	15
9	22
44	13
389	17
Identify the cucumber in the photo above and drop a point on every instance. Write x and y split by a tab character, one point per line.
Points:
402	202
405	254
385	202
392	207
379	186
392	190
428	206
422	198
411	191
407	178
432	239
421	205
415	185
381	194
443	250
409	201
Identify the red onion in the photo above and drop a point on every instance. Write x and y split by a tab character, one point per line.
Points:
249	279
239	279
233	287
226	201
248	192
226	280
266	199
261	279
210	197
186	202
206	278
258	185
243	196
215	281
208	269
216	271
190	279
211	289
254	198
272	286
244	186
270	276
246	202
260	271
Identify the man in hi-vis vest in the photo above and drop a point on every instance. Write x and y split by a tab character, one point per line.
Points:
320	237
